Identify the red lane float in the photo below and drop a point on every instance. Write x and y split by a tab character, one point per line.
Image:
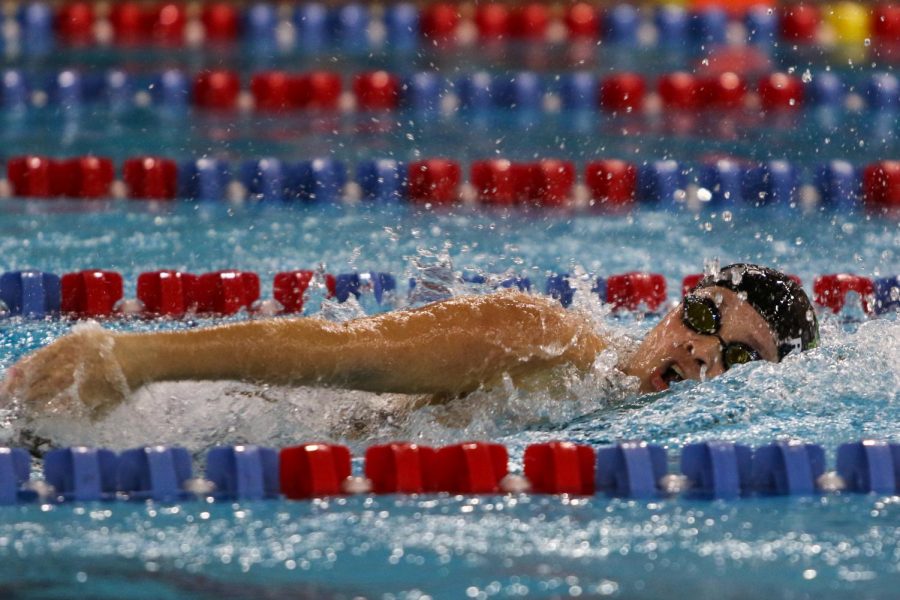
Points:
494	181
800	22
225	292
221	21
886	23
401	468
434	180
313	470
167	23
560	468
830	291
612	183
553	181
492	20
75	22
316	90
680	90
881	184
166	293
582	20
151	178
378	90
725	90
530	21
622	92
32	176
87	177
90	293
289	288
272	91
780	91
630	291
440	20
471	468
129	23
218	89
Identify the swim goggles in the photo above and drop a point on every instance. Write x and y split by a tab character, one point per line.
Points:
703	316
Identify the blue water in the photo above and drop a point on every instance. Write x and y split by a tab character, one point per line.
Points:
449	547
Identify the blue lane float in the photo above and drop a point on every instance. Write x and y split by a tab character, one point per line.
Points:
422	92
15	90
401	22
788	468
204	179
318	180
709	26
243	472
155	473
15	468
826	89
82	474
631	469
264	179
887	294
661	182
621	24
722	180
773	182
761	23
560	288
349	26
672	25
30	294
476	91
260	21
310	21
869	466
382	180
578	91
882	91
839	184
717	469
171	90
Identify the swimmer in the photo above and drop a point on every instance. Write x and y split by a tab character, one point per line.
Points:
441	351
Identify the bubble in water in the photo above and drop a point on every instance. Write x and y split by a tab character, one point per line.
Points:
807	76
867	42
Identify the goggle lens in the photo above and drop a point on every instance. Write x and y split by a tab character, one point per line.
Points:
701	315
738	354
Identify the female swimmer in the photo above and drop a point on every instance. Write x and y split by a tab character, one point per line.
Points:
443	350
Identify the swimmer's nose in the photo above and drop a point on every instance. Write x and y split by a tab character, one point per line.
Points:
706	351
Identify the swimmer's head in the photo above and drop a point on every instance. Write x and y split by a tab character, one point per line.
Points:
742	313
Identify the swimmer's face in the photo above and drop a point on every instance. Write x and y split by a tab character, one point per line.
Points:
672	351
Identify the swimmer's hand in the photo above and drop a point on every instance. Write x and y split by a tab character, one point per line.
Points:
78	372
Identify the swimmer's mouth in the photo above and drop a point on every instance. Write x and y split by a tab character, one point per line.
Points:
672	374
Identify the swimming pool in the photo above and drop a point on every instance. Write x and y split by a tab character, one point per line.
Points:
826	546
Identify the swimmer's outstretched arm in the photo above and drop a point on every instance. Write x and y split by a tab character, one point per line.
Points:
445	348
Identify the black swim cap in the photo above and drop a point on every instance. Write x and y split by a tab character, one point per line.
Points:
781	302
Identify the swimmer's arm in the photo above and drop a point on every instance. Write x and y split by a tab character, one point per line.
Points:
449	347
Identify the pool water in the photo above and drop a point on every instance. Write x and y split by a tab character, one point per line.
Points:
408	547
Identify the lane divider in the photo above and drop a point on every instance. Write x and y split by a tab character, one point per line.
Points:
175	295
428	92
603	184
707	470
312	27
